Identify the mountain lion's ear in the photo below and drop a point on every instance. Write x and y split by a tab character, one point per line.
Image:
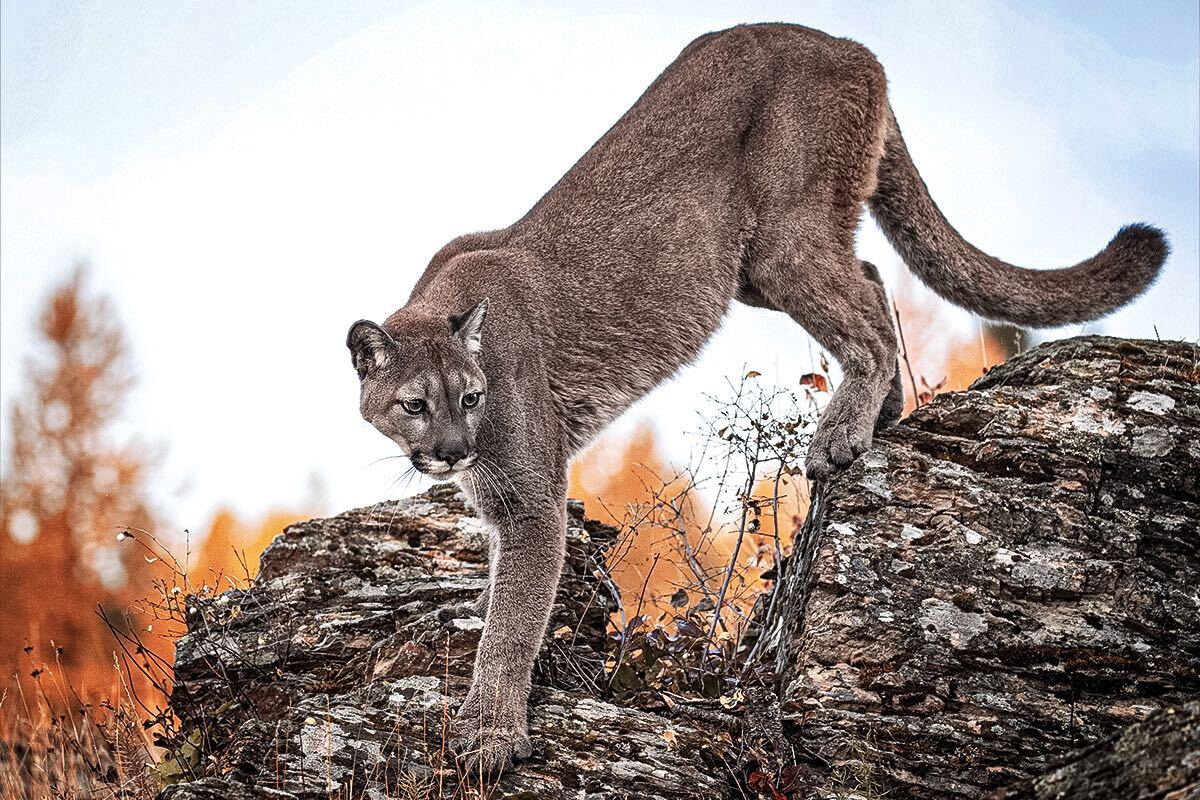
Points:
369	346
468	326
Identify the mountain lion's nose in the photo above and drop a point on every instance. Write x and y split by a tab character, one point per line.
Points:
451	455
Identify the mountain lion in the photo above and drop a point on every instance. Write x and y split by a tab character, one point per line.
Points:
740	174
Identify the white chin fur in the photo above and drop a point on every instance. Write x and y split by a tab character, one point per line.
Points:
440	470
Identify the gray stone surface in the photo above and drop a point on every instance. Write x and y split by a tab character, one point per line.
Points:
1156	758
1004	582
331	678
1010	574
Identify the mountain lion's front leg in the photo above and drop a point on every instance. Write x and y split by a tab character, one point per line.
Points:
529	517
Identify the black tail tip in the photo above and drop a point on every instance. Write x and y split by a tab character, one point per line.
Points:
1143	247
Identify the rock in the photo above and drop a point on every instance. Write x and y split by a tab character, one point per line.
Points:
330	676
1156	758
1004	582
1008	575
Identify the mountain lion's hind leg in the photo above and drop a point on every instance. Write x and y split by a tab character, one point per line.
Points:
834	299
818	145
893	404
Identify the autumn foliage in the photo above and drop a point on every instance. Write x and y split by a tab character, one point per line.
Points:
68	491
631	485
92	590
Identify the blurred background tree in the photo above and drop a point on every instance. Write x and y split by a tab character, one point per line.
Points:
69	490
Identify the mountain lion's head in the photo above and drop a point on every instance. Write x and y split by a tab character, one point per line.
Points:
422	387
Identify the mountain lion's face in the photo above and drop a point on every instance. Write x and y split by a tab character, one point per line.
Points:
425	393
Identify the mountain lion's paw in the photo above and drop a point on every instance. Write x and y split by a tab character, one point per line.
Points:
835	445
488	751
489	734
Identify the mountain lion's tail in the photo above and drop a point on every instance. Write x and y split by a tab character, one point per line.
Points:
968	277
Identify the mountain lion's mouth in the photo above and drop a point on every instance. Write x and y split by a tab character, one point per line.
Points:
439	469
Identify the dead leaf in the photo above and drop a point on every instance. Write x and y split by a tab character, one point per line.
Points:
816	380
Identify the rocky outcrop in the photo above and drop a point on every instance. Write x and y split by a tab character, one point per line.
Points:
1156	758
331	677
1008	575
1005	580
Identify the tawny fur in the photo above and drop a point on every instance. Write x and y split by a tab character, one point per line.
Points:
740	174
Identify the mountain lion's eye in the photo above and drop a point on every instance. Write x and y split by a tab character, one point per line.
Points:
471	399
413	406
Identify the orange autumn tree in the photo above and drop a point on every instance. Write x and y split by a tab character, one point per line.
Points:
675	544
618	481
935	357
233	547
68	491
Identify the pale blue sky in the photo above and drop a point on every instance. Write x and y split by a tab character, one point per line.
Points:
271	171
